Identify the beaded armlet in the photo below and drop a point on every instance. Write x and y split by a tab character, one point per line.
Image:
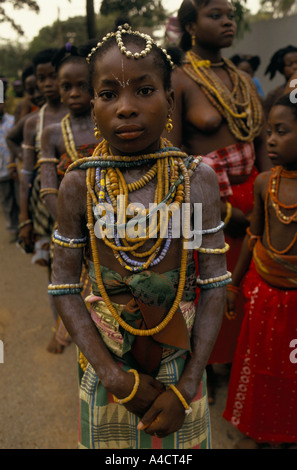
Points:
68	242
212	282
214	251
64	289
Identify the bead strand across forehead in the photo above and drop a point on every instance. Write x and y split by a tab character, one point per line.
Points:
126	29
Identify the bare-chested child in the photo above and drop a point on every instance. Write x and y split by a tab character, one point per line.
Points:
262	390
65	142
36	223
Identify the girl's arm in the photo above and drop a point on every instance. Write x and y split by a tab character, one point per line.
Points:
29	161
255	230
168	409
72	309
49	177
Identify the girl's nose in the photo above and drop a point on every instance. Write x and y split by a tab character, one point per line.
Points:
126	106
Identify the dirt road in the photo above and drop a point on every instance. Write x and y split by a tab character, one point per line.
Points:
38	390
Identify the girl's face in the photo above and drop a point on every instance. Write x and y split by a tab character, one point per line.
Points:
33	91
47	81
131	106
215	26
74	87
290	64
282	137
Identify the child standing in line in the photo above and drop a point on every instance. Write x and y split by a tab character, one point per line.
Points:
263	386
64	142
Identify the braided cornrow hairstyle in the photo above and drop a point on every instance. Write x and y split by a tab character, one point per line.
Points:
276	63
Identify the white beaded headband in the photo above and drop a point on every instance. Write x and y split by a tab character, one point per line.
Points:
126	29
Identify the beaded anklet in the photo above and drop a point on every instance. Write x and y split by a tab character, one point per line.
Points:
187	408
68	242
211	282
64	289
134	390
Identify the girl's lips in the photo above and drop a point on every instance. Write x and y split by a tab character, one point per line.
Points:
129	132
273	156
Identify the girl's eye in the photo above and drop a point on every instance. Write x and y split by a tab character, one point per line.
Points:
65	86
106	95
215	16
84	87
146	91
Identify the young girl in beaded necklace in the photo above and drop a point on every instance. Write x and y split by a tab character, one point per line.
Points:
143	345
262	389
65	142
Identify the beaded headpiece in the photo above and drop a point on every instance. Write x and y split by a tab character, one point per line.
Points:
126	29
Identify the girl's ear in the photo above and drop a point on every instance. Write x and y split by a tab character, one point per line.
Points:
92	111
170	101
191	29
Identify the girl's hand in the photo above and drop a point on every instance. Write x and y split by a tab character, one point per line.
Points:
165	416
26	236
230	310
148	390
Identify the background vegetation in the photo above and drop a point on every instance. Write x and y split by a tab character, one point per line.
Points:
145	14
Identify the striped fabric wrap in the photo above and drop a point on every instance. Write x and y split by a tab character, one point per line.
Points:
235	159
105	424
43	223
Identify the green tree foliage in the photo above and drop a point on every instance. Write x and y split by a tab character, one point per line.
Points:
72	30
13	59
242	16
141	12
278	8
17	4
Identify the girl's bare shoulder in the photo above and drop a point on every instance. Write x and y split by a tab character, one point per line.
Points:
262	180
204	184
73	188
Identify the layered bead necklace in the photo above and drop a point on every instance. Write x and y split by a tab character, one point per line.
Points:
277	173
240	107
68	138
105	182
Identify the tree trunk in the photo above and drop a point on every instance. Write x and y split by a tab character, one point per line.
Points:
91	24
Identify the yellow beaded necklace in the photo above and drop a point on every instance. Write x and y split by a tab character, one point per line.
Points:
241	107
177	166
68	138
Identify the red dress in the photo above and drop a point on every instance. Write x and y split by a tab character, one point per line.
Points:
262	394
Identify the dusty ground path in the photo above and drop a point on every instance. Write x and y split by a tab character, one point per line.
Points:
38	390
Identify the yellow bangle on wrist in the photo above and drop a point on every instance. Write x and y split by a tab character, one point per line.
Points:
134	390
187	408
